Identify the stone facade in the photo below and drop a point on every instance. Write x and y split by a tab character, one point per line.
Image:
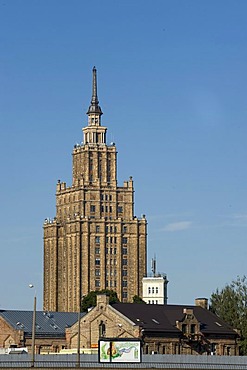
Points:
101	321
162	330
95	241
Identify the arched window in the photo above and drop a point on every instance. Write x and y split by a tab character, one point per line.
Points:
101	329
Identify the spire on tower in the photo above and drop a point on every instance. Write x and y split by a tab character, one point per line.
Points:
94	106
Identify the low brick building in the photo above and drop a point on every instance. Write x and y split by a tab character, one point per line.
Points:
16	329
164	329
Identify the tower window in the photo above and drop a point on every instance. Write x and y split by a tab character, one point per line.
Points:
97	250
97	239
97	283
97	261
92	208
124	240
120	209
97	229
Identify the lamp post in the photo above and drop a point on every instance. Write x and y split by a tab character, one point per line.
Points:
79	338
33	327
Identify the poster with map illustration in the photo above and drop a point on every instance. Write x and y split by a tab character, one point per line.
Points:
116	350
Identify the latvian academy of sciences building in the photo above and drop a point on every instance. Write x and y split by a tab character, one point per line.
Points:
95	241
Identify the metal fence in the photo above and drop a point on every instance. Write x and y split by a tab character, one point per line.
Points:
70	361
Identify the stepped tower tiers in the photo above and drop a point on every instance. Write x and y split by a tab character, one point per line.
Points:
95	242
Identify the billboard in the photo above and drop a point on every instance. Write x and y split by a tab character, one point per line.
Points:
119	350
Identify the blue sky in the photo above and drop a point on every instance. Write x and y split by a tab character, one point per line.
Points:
172	84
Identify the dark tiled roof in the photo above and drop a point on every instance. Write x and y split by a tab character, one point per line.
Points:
162	318
47	323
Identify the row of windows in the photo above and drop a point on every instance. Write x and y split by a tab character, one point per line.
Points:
111	239
124	262
152	301
153	289
110	272
72	198
110	283
105	197
105	209
110	229
188	329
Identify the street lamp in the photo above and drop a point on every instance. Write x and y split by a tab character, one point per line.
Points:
79	338
33	327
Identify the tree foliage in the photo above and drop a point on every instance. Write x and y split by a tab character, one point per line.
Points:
90	299
137	299
230	304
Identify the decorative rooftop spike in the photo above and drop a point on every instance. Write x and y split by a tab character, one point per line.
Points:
94	107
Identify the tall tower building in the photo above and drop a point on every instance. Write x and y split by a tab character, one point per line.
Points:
95	241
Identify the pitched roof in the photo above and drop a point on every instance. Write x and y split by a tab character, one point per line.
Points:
162	318
47	323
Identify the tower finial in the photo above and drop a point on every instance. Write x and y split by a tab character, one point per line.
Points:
94	106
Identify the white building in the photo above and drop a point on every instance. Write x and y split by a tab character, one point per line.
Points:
154	289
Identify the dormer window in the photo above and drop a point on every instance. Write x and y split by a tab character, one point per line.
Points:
184	328
192	328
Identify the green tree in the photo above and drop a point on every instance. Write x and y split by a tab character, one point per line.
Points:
90	299
137	299
230	304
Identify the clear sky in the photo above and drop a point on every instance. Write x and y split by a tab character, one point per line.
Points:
172	83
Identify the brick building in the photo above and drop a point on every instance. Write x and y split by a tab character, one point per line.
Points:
16	329
163	329
95	241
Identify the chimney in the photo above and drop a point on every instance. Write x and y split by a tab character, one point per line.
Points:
202	302
102	300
